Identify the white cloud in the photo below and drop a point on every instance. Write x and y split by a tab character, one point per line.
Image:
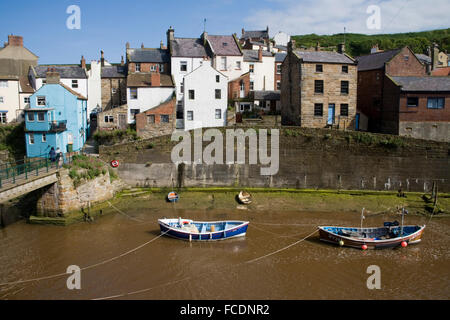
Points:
331	16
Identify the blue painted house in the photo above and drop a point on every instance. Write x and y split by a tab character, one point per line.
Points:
57	117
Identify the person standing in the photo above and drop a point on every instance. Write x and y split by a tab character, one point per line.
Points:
52	154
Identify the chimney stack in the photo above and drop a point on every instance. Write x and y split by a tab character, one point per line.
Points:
318	46
204	37
83	63
260	55
127	45
52	77
291	45
155	79
341	48
142	45
122	63
15	41
102	59
434	56
170	36
161	46
243	31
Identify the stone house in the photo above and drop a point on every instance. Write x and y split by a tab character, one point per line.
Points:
418	107
318	89
372	69
157	121
113	118
113	86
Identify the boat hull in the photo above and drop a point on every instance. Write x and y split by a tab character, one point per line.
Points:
332	237
233	232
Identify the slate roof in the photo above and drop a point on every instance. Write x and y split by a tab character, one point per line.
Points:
25	85
252	55
155	55
425	84
375	60
188	47
224	45
65	72
144	80
255	34
280	56
267	95
114	72
423	58
323	56
280	47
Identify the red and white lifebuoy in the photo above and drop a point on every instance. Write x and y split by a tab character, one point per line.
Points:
115	163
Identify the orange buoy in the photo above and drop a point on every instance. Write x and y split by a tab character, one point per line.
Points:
404	244
364	247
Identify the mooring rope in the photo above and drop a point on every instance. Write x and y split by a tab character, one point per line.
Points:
204	273
87	267
121	212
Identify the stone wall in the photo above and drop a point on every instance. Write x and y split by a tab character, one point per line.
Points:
119	97
146	129
62	197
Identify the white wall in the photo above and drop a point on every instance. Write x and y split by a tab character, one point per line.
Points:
263	75
11	102
94	87
82	85
231	71
178	75
148	97
203	81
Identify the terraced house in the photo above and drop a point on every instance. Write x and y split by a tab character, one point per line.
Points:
318	89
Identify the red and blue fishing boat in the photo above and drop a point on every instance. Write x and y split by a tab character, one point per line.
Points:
186	229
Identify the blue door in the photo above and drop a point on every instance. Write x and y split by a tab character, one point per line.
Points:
357	122
331	113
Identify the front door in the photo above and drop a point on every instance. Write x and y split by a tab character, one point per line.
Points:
122	121
357	122
331	109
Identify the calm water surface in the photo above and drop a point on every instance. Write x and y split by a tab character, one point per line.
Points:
172	269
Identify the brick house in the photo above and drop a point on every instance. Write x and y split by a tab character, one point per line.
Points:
157	121
148	59
372	69
279	58
238	93
318	89
418	107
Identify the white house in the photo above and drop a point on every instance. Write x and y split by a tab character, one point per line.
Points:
205	98
73	76
226	54
146	90
260	63
94	86
9	98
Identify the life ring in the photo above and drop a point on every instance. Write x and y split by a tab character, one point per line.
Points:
172	196
115	163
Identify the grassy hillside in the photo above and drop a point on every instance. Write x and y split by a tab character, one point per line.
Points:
359	44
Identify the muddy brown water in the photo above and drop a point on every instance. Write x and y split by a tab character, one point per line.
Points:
172	269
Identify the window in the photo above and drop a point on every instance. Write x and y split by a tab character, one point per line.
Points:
153	68
242	85
319	68
3	83
191	94
252	85
1	100
251	68
41	116
150	118
30	116
218	94
344	110
44	81
344	87
183	66
412	102
318	86
109	119
31	138
74	84
41	101
190	115
133	93
165	118
344	69
44	137
278	85
278	68
238	65
435	103
406	58
223	63
3	117
318	109
217	79
138	67
26	99
218	114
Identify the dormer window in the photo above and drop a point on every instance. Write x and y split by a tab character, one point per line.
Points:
41	101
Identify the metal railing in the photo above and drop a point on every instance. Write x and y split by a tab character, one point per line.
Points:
28	169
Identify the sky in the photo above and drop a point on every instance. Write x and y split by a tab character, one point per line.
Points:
108	25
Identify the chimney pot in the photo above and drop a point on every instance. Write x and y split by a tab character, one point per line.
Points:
83	62
52	77
127	45
260	55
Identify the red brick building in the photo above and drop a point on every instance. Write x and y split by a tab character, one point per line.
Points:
372	69
239	92
418	107
158	121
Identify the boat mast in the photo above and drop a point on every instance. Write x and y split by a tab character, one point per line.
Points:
403	217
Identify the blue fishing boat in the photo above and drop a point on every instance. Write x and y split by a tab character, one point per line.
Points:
186	229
